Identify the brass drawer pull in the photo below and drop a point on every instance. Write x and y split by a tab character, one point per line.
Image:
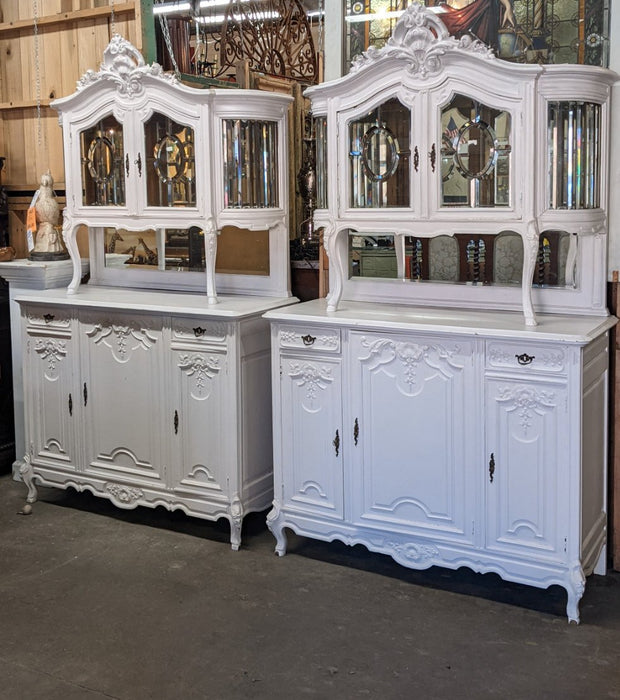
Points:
48	318
198	331
308	339
524	359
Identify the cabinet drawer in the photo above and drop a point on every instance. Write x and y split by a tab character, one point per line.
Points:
199	330
46	317
525	356
309	338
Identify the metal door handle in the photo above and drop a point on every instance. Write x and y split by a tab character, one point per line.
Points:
433	156
336	443
491	467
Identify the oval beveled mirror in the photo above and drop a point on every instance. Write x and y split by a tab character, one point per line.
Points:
101	159
475	149
170	158
380	153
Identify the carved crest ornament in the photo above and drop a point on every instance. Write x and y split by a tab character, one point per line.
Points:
123	64
421	39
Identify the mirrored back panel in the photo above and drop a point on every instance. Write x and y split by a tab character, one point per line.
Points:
239	251
464	258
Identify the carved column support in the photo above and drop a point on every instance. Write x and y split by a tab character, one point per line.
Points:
210	232
333	240
530	253
69	235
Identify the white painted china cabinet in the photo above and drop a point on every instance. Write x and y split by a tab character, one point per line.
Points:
446	404
147	385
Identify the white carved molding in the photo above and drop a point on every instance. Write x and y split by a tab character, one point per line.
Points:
123	65
421	38
313	377
385	350
117	337
527	401
201	369
51	350
125	495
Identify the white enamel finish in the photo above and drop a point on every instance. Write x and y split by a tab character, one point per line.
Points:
424	68
466	438
132	91
53	405
150	399
312	432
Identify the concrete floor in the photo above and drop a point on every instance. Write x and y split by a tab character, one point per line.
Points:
103	603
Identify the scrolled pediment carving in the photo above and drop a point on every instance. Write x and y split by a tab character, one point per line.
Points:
123	65
420	38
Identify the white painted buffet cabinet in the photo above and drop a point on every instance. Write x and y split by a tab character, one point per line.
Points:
447	404
148	386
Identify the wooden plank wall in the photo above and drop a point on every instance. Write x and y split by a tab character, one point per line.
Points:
71	37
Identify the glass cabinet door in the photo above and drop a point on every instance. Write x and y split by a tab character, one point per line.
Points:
170	164
250	164
475	154
573	147
379	155
102	153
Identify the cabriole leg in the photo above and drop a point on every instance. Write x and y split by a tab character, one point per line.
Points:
575	588
236	521
27	474
277	529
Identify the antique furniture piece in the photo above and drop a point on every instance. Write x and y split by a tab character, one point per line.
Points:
446	404
156	170
139	386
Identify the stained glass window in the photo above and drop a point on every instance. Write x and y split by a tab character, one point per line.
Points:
525	31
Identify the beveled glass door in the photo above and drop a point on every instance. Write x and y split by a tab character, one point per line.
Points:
379	154
102	163
169	164
250	164
475	155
